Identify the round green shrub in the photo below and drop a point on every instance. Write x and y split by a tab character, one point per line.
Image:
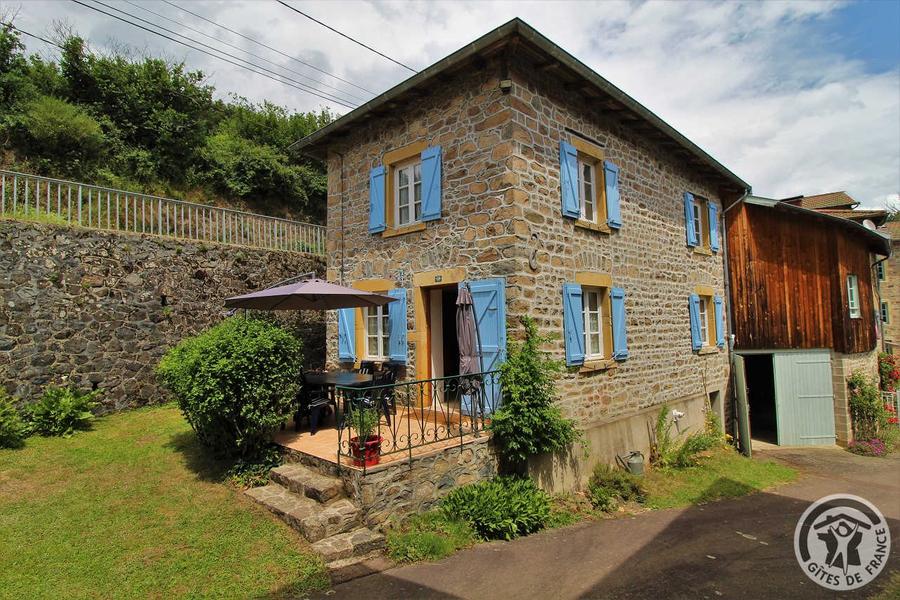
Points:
499	508
234	383
61	411
13	429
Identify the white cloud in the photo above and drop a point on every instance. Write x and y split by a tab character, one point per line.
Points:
749	82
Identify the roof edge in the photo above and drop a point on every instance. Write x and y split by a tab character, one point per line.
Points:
876	239
529	33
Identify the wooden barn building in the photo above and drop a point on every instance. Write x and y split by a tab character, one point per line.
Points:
805	315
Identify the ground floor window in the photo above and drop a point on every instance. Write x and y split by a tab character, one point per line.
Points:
885	313
593	322
376	320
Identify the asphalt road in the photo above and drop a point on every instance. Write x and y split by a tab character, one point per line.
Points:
739	548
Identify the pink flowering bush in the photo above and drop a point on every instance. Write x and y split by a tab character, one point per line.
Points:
873	447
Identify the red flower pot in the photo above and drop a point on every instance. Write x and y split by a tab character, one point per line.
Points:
368	453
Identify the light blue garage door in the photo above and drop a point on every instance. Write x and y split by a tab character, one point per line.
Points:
804	399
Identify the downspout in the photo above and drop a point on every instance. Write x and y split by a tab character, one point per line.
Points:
730	340
874	276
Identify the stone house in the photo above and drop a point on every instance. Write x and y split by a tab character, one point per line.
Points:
888	275
511	167
803	278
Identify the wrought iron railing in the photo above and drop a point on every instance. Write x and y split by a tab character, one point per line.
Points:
32	197
412	415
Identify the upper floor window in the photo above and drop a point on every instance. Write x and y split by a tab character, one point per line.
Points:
587	172
701	223
853	296
589	186
408	193
885	313
879	270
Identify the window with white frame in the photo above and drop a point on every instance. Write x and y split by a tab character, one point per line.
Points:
879	270
853	296
408	193
704	320
587	186
376	320
592	299
885	313
699	207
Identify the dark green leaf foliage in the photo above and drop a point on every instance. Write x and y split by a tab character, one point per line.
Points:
154	126
235	383
499	508
867	412
61	411
528	422
608	486
672	452
254	471
429	536
13	429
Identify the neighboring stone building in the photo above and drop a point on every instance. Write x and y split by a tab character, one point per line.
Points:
888	274
513	167
804	300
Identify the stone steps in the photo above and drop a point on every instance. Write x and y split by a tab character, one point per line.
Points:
315	506
306	482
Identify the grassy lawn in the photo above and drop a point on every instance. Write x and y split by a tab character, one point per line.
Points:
723	474
133	508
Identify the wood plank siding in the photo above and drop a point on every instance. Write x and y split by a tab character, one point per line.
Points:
788	278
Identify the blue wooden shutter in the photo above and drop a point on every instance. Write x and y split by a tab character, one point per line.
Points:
620	341
689	219
720	321
611	178
573	323
713	227
431	183
489	304
347	334
397	325
694	306
376	199
568	179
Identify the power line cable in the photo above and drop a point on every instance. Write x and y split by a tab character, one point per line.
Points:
307	87
239	49
250	39
355	41
37	37
300	86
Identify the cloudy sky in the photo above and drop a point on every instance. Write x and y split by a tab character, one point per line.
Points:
795	97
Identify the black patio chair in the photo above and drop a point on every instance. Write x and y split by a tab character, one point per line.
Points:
384	396
311	401
366	367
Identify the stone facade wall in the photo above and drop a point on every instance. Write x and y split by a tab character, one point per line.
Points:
101	308
401	489
889	291
501	212
842	367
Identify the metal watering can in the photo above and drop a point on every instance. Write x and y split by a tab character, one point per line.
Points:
633	462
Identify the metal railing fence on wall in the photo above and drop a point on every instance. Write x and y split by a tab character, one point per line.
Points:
32	197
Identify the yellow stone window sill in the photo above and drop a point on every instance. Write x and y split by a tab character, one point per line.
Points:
708	350
585	224
705	251
389	233
593	366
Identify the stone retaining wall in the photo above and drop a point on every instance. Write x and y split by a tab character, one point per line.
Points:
100	308
401	489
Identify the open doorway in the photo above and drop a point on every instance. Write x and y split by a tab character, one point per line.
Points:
761	396
443	342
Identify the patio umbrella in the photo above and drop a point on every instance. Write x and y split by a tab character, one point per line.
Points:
309	294
467	339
